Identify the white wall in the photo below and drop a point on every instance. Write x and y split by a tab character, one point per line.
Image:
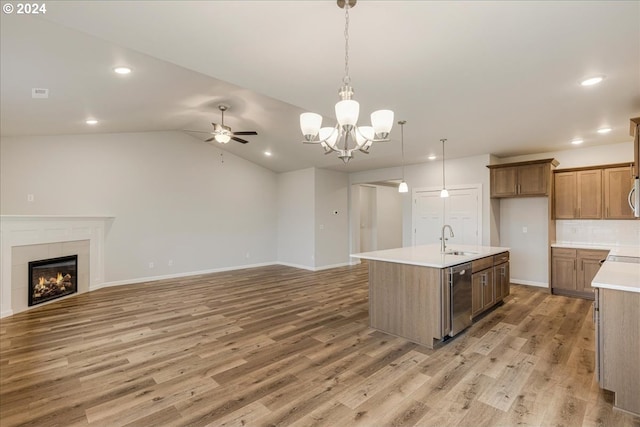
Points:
331	218
529	249
171	196
296	218
388	217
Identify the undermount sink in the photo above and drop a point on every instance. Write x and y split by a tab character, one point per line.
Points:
460	253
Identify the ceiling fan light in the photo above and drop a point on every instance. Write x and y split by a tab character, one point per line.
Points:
403	187
347	112
382	122
222	138
310	125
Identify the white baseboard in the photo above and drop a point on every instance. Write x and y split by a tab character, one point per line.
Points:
177	275
309	268
529	283
6	313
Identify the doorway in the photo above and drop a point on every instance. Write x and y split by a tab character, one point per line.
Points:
462	210
377	219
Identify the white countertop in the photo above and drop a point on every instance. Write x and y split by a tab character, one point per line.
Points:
430	256
620	276
621	250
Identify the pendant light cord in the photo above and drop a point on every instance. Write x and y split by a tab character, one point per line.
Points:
401	123
443	186
346	78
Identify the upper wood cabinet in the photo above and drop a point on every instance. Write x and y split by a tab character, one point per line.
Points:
617	184
592	192
634	131
578	194
523	179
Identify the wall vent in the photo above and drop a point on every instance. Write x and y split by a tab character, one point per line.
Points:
38	92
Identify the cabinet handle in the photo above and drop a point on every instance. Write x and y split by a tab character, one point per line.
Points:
574	265
581	264
607	212
579	212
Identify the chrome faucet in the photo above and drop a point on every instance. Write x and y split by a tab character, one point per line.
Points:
443	244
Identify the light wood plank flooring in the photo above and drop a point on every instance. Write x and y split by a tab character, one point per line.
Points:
281	346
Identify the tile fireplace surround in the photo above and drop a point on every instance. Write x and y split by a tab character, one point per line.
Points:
25	238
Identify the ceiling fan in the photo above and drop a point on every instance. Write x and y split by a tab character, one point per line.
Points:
224	134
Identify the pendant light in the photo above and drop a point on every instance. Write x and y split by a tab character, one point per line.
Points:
443	192
403	187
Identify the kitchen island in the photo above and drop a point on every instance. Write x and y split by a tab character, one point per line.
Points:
410	291
617	322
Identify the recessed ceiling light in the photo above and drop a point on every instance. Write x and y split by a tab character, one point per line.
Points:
577	141
122	70
267	153
592	81
91	122
432	157
604	130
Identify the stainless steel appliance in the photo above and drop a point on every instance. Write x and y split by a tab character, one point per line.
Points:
460	288
634	198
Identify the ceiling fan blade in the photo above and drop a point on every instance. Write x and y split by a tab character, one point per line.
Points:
199	131
244	141
248	132
210	139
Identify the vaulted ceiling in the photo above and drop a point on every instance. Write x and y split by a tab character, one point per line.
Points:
490	76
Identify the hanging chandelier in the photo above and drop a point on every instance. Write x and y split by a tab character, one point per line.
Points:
346	137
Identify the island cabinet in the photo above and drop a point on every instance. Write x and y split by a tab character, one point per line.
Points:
489	282
409	301
572	270
522	179
617	323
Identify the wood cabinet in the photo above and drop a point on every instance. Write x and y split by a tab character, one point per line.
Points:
598	192
523	179
577	194
634	131
489	282
572	270
617	184
617	319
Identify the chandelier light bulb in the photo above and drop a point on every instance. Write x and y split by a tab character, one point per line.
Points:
310	124
347	112
382	122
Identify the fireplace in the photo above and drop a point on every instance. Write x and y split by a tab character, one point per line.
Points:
52	278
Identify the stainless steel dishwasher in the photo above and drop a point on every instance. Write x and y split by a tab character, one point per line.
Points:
460	288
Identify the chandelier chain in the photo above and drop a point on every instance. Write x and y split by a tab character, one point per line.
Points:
346	78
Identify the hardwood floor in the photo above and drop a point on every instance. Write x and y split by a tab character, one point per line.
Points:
282	346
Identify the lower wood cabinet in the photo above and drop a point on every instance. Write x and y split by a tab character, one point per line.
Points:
617	323
572	270
489	282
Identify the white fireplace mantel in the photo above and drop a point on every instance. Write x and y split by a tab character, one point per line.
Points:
22	230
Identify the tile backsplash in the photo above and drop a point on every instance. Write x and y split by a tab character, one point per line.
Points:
620	232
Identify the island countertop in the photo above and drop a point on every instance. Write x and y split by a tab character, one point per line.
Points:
430	256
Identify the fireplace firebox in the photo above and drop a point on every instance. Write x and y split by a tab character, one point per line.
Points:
52	278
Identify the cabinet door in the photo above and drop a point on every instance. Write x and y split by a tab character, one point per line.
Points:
588	265
565	195
533	179
501	277
563	273
476	293
617	184
489	289
503	182
590	194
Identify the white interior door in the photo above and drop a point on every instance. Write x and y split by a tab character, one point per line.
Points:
462	210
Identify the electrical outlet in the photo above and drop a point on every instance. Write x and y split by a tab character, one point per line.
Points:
151	264
30	198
